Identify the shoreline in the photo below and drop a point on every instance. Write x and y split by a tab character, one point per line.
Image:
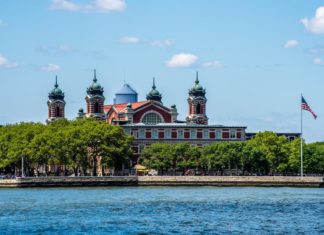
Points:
88	181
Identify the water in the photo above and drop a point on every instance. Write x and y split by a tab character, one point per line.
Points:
162	210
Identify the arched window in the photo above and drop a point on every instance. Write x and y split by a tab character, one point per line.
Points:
151	118
96	107
57	112
198	109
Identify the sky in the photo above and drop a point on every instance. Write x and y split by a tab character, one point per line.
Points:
254	57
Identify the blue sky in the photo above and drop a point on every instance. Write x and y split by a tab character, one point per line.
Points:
254	57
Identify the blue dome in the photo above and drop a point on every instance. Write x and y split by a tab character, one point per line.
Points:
126	90
125	95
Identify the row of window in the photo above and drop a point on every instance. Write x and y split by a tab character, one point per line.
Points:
184	134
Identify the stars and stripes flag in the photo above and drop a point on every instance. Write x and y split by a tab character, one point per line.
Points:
305	106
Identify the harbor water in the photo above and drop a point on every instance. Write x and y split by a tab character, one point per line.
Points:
162	210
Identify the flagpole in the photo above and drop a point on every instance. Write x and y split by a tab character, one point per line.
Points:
301	141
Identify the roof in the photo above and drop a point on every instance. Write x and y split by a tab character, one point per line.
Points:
197	89
278	133
120	107
126	90
181	125
56	93
95	88
154	94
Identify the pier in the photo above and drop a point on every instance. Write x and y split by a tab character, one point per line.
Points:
263	181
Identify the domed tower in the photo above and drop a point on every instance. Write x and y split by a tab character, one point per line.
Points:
95	99
154	94
125	95
55	103
197	104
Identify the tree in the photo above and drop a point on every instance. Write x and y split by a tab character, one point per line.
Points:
275	150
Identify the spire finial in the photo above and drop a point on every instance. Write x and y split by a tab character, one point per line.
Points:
197	80
153	83
56	85
94	75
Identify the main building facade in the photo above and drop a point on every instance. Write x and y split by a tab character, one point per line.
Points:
150	121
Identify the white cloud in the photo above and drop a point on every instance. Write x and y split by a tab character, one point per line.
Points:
315	24
50	67
1	23
109	5
60	48
5	63
182	60
64	5
317	50
291	44
136	40
92	6
64	48
214	64
162	43
129	40
318	61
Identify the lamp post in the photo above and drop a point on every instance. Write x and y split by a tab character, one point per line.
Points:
22	167
95	149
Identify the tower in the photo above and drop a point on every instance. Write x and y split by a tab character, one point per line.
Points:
95	99
197	104
55	103
154	94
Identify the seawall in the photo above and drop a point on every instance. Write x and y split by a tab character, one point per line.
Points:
279	181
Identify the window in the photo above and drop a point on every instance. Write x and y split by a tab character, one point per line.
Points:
218	134
135	149
57	111
154	134
127	131
206	134
96	107
193	134
141	148
168	134
232	134
198	110
180	134
141	134
151	118
135	134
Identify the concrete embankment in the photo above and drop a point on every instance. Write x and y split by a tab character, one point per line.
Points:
233	181
280	181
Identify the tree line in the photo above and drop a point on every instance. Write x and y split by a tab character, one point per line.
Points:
265	154
75	145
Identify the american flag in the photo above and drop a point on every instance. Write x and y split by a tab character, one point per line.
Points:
305	106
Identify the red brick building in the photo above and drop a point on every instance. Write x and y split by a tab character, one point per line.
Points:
150	121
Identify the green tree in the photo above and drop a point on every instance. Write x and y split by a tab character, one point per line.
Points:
275	149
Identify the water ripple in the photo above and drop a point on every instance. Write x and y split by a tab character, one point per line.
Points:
162	210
